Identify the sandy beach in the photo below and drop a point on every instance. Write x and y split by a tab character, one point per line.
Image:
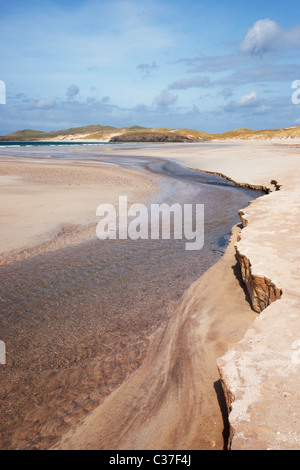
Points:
50	204
260	372
220	333
150	221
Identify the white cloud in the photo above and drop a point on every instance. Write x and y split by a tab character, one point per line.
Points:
72	91
251	99
166	98
43	104
262	37
267	36
262	109
193	82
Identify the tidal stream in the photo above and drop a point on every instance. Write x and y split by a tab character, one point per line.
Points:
76	321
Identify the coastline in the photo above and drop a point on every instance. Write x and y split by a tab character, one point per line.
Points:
259	373
65	365
236	340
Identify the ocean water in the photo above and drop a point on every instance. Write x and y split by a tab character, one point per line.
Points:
38	144
77	321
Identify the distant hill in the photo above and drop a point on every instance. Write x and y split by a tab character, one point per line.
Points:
143	134
69	134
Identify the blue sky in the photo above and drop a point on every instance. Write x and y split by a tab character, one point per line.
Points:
211	66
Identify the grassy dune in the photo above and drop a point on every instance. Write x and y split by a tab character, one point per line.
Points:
138	133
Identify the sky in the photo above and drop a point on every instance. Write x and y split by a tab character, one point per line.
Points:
210	66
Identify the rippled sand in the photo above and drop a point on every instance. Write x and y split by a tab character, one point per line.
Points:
48	203
77	318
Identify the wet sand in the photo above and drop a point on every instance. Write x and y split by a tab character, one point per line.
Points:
174	400
47	204
73	356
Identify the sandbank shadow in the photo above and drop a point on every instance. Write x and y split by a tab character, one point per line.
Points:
224	411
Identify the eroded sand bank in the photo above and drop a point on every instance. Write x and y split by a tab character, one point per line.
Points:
261	373
168	402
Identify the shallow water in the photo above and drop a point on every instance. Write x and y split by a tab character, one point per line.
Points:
77	321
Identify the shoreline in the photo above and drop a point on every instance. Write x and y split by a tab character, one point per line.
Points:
57	423
259	373
250	362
